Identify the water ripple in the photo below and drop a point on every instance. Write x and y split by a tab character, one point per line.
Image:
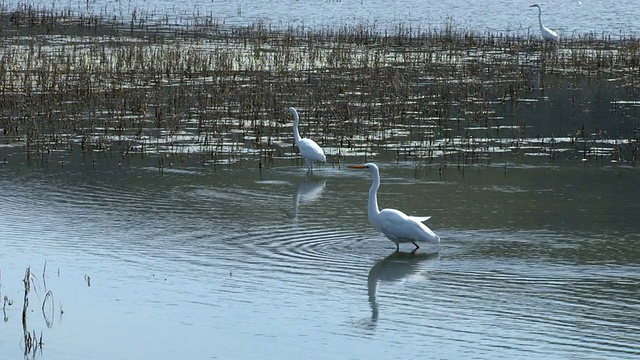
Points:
326	254
490	293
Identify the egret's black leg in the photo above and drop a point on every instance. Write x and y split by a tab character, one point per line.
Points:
397	247
417	247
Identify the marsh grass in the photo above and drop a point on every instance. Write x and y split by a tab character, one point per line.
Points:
6	301
31	341
216	95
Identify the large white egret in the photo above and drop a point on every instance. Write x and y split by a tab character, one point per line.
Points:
394	224
547	33
309	150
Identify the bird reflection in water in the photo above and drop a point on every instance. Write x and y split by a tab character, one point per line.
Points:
393	268
309	190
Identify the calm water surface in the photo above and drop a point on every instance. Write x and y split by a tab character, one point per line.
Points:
506	16
237	263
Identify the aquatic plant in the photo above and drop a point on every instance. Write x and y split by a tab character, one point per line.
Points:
218	95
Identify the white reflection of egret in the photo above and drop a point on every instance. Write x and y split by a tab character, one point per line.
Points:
309	190
393	268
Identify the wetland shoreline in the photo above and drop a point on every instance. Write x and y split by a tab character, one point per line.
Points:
219	94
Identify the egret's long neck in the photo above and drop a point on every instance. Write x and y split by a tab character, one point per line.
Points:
296	133
373	194
540	18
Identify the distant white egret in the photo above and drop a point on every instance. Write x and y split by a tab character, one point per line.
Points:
309	150
547	33
394	224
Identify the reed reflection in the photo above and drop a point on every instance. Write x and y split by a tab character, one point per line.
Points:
309	190
394	267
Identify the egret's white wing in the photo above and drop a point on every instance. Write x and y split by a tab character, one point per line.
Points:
397	226
310	150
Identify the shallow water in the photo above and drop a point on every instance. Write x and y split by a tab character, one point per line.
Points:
236	262
568	18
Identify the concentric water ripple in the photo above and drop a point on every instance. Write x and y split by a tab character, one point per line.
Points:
327	254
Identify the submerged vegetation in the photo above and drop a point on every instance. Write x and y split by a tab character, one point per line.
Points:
219	94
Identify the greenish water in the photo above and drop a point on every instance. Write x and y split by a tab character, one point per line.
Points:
239	262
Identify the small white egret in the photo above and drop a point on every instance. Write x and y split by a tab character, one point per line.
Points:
547	33
394	224
309	150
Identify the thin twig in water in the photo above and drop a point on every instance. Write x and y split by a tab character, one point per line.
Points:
48	320
44	280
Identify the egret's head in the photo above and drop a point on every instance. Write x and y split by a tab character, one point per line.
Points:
292	111
535	5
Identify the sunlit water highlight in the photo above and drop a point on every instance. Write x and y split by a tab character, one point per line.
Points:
237	262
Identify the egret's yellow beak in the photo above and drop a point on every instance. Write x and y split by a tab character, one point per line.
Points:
357	166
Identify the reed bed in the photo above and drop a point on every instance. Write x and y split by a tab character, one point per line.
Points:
218	94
